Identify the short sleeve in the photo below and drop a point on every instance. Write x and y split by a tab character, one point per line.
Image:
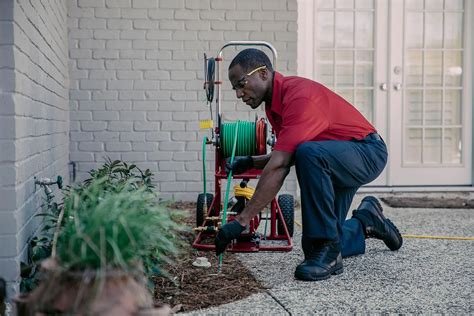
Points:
302	121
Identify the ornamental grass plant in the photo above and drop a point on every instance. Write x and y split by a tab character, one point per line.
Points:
107	226
115	228
110	234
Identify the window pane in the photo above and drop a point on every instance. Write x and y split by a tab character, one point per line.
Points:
414	68
414	4
326	4
432	145
434	30
452	147
325	67
452	107
344	29
453	69
365	56
453	30
364	4
454	4
434	4
414	101
346	4
364	69
413	145
433	108
363	102
414	30
433	68
325	29
344	68
364	30
364	75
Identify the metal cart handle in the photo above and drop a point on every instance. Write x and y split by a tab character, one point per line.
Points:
218	70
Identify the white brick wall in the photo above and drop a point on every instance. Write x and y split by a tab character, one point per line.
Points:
136	77
34	118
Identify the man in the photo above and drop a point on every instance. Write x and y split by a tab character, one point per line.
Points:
335	151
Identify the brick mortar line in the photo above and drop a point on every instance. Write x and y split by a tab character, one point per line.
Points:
39	49
40	66
49	32
27	75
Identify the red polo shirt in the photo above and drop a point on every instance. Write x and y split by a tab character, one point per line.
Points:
303	110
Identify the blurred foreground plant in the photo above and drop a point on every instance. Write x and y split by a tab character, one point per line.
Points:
111	220
115	228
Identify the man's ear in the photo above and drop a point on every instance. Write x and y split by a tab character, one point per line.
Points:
264	74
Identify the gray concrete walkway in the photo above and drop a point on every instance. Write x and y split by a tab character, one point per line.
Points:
425	276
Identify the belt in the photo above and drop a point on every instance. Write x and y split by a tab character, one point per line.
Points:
373	136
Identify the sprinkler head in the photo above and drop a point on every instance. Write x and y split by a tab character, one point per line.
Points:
202	262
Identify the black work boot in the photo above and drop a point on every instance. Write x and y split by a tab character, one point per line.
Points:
376	225
322	260
307	245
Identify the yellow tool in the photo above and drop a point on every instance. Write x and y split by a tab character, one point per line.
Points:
205	124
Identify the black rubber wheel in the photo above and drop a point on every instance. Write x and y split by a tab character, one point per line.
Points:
287	207
200	215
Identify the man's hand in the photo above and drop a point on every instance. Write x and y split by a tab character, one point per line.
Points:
239	165
226	234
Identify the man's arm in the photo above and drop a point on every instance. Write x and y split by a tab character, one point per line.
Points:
270	182
259	162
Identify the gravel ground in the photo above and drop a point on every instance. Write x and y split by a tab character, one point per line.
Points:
425	276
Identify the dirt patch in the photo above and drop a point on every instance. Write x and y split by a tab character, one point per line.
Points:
428	202
197	288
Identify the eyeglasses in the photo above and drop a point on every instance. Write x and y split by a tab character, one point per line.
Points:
243	82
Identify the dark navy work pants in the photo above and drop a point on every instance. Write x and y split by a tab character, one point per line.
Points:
329	174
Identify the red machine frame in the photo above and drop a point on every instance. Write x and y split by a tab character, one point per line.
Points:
249	240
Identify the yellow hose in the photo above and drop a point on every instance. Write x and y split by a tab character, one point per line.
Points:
422	236
437	237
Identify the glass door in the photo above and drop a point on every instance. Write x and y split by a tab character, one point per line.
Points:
430	99
407	66
346	51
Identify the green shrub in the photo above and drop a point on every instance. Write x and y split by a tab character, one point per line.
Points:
118	174
115	228
111	220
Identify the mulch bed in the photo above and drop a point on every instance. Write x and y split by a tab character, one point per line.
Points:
428	202
196	288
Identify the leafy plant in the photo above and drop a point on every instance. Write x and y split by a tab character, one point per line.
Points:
118	174
110	220
116	228
39	247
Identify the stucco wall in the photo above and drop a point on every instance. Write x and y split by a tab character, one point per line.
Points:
136	69
34	118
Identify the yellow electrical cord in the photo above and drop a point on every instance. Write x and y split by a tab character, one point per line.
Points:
246	192
437	237
421	236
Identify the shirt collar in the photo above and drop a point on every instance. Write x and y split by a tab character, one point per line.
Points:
275	105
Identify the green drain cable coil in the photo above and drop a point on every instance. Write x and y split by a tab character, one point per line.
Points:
243	131
246	145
